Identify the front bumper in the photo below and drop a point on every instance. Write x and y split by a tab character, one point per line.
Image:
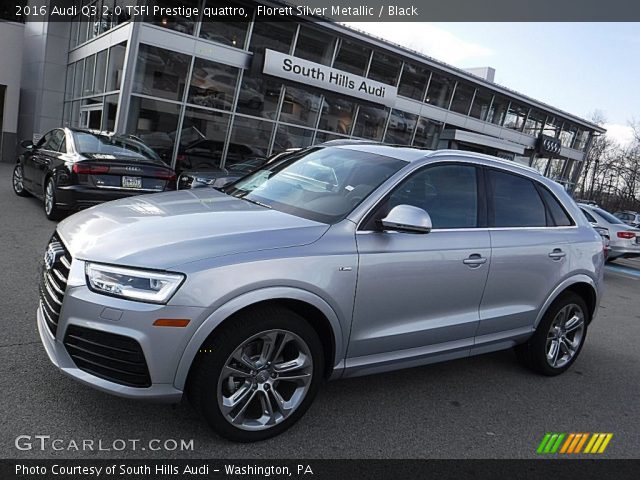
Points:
162	346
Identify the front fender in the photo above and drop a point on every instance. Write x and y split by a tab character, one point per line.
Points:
245	300
566	283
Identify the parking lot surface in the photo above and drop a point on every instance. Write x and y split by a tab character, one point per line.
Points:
480	407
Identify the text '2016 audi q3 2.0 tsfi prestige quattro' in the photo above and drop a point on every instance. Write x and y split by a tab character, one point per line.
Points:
333	262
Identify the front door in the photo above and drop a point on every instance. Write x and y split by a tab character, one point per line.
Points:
418	295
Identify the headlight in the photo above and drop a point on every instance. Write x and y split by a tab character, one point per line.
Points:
132	284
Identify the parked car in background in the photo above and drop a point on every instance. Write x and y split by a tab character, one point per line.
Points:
624	239
334	262
71	169
606	240
629	217
218	177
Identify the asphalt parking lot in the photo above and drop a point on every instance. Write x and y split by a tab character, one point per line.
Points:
481	407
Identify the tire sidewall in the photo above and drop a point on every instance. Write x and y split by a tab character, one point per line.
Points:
538	344
23	192
213	357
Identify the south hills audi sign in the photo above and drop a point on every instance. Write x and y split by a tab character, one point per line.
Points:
317	75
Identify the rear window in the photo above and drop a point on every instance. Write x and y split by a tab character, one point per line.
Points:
111	147
516	202
608	217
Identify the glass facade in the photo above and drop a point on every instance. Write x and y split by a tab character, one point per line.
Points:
201	112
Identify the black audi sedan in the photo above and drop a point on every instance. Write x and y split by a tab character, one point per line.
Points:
71	169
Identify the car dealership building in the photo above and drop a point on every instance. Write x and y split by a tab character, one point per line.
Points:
230	90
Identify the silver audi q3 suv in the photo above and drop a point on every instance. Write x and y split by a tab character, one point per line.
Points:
337	261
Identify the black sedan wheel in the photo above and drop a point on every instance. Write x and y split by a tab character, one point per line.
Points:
18	182
50	207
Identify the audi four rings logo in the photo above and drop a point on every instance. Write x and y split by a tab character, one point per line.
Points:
551	146
133	169
50	257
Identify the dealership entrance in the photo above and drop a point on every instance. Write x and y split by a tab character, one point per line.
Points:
91	116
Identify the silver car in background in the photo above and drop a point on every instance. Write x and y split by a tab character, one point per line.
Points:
333	262
624	239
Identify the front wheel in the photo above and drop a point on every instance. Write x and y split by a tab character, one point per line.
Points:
51	209
559	338
18	181
258	375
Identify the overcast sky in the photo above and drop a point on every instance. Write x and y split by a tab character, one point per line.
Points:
577	67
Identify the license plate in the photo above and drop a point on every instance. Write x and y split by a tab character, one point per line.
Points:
131	182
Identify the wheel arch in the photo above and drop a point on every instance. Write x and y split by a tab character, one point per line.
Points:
314	309
582	285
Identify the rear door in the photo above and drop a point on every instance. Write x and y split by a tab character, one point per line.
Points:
418	295
529	257
47	157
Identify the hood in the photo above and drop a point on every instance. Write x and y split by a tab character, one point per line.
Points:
168	229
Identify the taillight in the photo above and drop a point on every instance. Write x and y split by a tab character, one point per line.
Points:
89	169
165	175
627	235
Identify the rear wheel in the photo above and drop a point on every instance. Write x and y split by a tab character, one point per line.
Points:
257	375
559	337
18	181
51	209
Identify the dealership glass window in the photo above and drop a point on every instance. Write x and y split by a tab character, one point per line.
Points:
314	45
552	127
83	28
74	118
427	133
109	111
155	123
272	35
258	95
115	66
232	33
498	110
370	122
337	114
77	79
352	57
400	128
202	139
73	35
481	104
413	81
161	73
175	21
213	84
556	165
101	72
534	123
440	90
300	106
581	139
250	138
516	116
66	114
291	137
462	98
540	164
384	68
89	70
322	137
568	134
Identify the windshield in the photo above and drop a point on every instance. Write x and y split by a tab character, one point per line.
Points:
111	147
607	216
322	184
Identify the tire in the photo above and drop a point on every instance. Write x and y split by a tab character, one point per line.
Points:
17	180
211	388
51	209
557	327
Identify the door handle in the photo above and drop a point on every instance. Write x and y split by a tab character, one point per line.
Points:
474	260
557	254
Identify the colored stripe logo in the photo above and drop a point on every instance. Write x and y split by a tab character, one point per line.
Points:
572	443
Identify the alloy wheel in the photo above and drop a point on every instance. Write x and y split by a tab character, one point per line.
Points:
18	182
48	197
565	335
265	380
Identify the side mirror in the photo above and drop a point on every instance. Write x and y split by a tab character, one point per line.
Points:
28	144
407	218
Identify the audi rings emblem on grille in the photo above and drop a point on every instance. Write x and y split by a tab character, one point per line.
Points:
51	256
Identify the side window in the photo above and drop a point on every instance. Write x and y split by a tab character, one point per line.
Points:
590	217
560	216
56	140
448	193
516	202
44	141
63	145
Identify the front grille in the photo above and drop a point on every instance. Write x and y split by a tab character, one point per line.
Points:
53	281
109	356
